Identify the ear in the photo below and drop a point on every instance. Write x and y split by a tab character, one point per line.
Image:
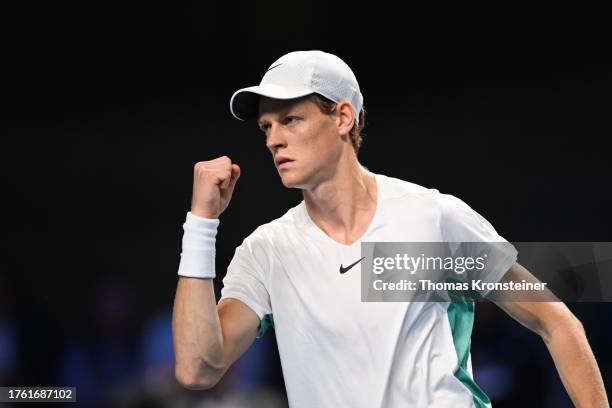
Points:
346	117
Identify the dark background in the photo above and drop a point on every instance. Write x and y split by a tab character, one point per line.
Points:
107	107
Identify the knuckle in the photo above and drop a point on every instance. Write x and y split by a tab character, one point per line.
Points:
201	165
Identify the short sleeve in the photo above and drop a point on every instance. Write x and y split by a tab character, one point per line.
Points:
473	236
245	279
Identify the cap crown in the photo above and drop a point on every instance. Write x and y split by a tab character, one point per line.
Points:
322	72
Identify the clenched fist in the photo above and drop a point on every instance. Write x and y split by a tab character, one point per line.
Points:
213	185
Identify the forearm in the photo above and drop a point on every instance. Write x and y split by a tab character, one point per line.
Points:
198	339
575	362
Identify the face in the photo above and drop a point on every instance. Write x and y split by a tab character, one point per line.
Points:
297	130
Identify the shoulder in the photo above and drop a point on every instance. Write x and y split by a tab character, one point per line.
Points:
259	250
448	207
393	187
396	188
268	233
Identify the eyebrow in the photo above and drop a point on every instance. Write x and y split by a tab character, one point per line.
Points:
287	111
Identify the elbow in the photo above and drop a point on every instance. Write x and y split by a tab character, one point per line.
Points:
197	369
198	375
195	384
578	326
197	379
567	324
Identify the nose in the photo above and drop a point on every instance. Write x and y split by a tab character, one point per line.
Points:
275	138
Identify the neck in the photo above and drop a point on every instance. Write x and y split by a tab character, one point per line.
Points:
343	204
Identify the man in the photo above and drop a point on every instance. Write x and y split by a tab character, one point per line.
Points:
335	350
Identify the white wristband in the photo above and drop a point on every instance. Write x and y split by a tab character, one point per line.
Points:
198	255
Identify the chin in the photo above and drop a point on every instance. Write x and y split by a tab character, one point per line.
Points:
292	180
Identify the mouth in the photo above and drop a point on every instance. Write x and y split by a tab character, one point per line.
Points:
282	162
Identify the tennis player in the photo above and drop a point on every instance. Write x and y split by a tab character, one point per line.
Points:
300	273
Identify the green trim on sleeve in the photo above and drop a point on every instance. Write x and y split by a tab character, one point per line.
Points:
461	319
266	322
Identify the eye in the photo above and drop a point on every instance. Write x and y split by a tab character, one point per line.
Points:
290	119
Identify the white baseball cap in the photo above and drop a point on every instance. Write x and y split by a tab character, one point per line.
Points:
297	74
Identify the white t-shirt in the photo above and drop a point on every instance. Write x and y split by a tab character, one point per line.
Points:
337	351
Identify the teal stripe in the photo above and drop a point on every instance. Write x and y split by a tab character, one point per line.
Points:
461	319
266	322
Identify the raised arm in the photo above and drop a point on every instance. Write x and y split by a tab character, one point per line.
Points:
563	335
208	337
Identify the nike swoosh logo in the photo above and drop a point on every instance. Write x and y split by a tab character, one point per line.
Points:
277	65
344	270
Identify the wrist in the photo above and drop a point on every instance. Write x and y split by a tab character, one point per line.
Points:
204	213
197	220
198	249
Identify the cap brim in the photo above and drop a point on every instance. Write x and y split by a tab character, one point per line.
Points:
244	104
